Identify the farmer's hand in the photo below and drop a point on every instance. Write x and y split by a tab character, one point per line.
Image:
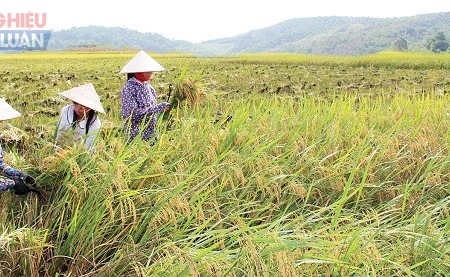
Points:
166	106
30	180
20	188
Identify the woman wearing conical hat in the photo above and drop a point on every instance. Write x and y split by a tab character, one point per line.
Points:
79	120
139	103
14	177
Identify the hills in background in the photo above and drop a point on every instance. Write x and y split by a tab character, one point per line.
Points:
331	35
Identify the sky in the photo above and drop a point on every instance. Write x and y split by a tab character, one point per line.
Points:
201	20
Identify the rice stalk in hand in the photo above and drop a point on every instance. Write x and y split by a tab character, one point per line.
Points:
186	88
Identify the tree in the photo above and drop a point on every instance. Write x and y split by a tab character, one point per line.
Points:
438	43
401	45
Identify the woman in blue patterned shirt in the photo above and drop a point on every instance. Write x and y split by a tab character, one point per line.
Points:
12	174
139	101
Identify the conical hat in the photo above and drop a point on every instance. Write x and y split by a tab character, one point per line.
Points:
142	62
86	96
6	111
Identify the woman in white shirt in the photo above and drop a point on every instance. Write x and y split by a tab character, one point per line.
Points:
79	121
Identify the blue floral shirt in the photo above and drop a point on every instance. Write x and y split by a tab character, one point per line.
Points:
9	172
140	109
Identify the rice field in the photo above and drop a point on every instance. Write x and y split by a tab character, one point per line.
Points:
268	165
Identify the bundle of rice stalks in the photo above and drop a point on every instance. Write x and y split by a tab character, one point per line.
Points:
11	135
186	88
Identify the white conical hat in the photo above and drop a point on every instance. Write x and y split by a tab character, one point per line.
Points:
6	111
142	62
86	96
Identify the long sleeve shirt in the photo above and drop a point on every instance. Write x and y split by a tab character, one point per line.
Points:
79	132
10	172
140	109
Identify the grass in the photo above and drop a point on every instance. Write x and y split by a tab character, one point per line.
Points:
320	180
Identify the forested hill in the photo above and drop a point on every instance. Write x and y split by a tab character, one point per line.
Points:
315	35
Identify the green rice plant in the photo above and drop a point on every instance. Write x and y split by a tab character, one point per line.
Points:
21	251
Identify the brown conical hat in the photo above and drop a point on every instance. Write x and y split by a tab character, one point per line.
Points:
86	96
6	111
142	62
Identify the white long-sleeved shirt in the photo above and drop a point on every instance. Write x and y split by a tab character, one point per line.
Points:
79	133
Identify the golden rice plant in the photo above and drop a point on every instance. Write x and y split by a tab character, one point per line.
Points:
304	185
